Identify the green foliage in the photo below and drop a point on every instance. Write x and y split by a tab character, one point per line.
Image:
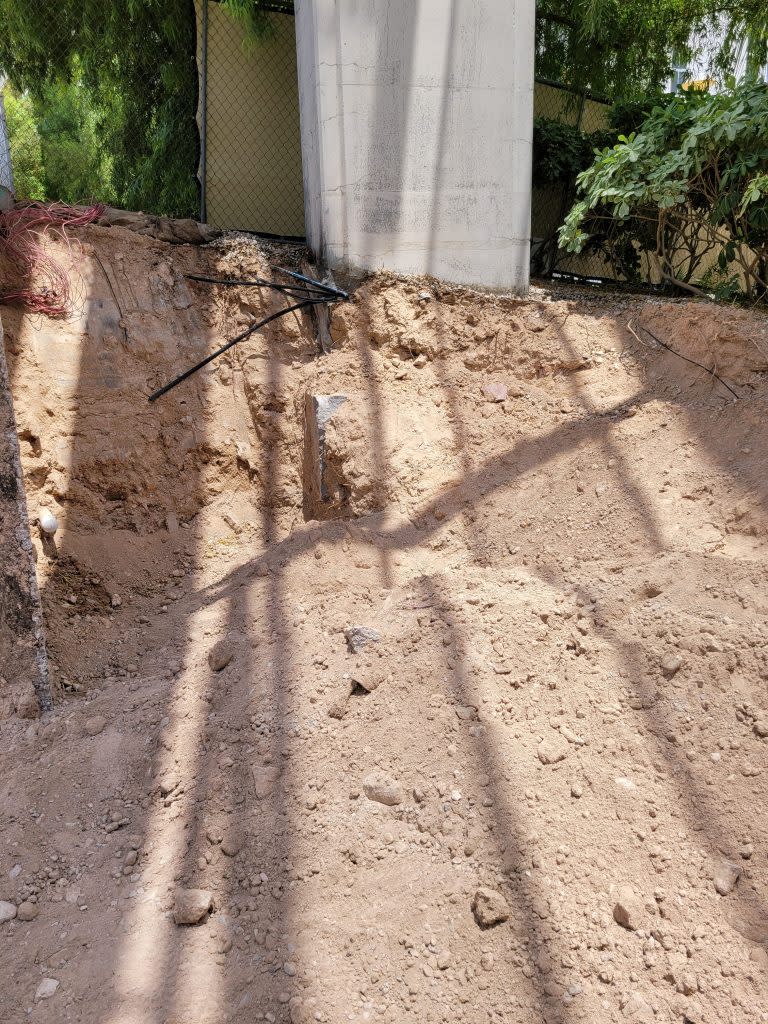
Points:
76	166
26	150
690	185
625	48
132	66
253	15
561	151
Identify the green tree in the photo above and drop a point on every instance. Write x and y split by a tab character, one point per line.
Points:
135	60
77	167
624	49
26	149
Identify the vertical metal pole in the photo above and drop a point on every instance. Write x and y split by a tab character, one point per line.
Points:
6	168
204	113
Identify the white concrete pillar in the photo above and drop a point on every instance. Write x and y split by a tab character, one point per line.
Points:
416	124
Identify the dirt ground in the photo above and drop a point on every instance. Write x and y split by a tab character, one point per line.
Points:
539	797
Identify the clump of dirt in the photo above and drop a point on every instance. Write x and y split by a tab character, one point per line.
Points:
488	743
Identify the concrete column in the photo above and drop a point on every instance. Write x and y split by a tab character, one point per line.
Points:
416	126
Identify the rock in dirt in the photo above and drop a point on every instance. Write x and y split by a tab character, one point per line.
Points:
191	905
25	702
359	636
7	911
231	846
383	789
489	907
671	664
220	655
726	876
638	1009
94	725
47	988
28	911
551	751
628	911
264	779
495	392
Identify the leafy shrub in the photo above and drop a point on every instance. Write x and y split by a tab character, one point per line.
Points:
689	186
561	151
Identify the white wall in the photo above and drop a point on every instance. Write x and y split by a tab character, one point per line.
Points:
416	122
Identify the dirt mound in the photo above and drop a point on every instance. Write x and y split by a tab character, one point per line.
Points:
486	744
732	343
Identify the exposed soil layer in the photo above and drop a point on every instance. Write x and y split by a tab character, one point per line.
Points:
539	797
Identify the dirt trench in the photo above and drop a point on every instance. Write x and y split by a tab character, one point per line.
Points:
535	792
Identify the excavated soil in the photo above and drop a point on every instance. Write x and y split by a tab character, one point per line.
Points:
539	797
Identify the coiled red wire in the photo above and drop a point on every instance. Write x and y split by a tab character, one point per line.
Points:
43	283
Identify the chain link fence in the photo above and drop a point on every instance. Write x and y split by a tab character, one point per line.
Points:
248	118
182	109
568	126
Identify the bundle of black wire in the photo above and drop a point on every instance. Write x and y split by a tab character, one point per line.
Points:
307	291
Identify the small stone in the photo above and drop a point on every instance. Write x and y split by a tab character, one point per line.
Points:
220	655
94	725
383	789
48	522
489	907
687	984
264	779
726	876
496	392
628	910
46	989
115	600
7	911
359	636
671	664
761	727
231	846
28	911
637	1009
337	710
167	784
191	905
576	791
551	751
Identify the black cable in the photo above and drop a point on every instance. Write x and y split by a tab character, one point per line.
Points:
330	289
687	359
240	337
257	282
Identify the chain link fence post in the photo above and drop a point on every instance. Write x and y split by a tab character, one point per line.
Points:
6	168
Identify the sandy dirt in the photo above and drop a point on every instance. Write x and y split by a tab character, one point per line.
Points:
539	797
